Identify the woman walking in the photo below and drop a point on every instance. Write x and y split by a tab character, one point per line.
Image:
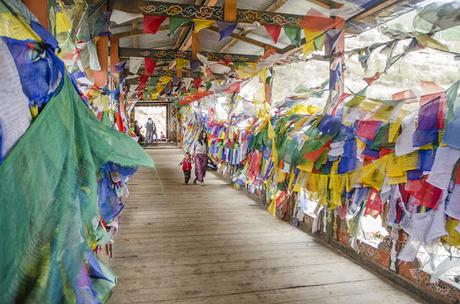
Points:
200	152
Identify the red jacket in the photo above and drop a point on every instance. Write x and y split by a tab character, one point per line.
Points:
186	164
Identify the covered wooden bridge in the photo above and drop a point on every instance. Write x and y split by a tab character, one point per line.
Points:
229	151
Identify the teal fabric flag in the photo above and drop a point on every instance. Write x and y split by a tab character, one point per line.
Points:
293	33
175	23
49	214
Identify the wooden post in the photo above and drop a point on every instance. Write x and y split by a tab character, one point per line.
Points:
195	45
100	77
40	9
230	14
114	57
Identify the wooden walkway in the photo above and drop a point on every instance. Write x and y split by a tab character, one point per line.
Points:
212	244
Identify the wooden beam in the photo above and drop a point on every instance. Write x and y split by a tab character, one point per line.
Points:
326	3
274	6
114	57
245	39
173	54
169	73
379	7
135	32
188	40
230	14
210	13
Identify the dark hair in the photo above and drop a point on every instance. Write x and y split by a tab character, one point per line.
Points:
202	139
186	153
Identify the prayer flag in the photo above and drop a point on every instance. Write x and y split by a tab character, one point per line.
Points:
149	66
175	23
427	124
152	23
273	30
63	22
199	24
225	29
293	33
180	62
451	137
309	45
197	82
316	21
319	42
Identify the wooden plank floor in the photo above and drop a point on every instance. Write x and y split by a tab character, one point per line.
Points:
212	244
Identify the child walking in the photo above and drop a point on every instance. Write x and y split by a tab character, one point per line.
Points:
186	167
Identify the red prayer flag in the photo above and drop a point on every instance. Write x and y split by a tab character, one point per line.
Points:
374	204
457	174
233	88
313	155
152	23
427	194
367	129
371	80
273	30
149	66
119	121
315	21
197	82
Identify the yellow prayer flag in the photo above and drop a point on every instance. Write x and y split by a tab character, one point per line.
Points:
426	147
312	183
63	23
299	182
15	27
428	41
350	180
180	62
280	176
200	24
247	70
263	74
271	131
360	144
393	131
374	173
164	80
272	207
397	180
291	179
309	45
307	166
409	161
34	111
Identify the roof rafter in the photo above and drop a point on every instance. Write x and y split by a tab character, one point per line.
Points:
216	13
244	39
167	73
134	32
326	3
174	53
274	6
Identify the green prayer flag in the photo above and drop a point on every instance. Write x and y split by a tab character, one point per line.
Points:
175	23
451	96
319	42
49	211
293	33
357	99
